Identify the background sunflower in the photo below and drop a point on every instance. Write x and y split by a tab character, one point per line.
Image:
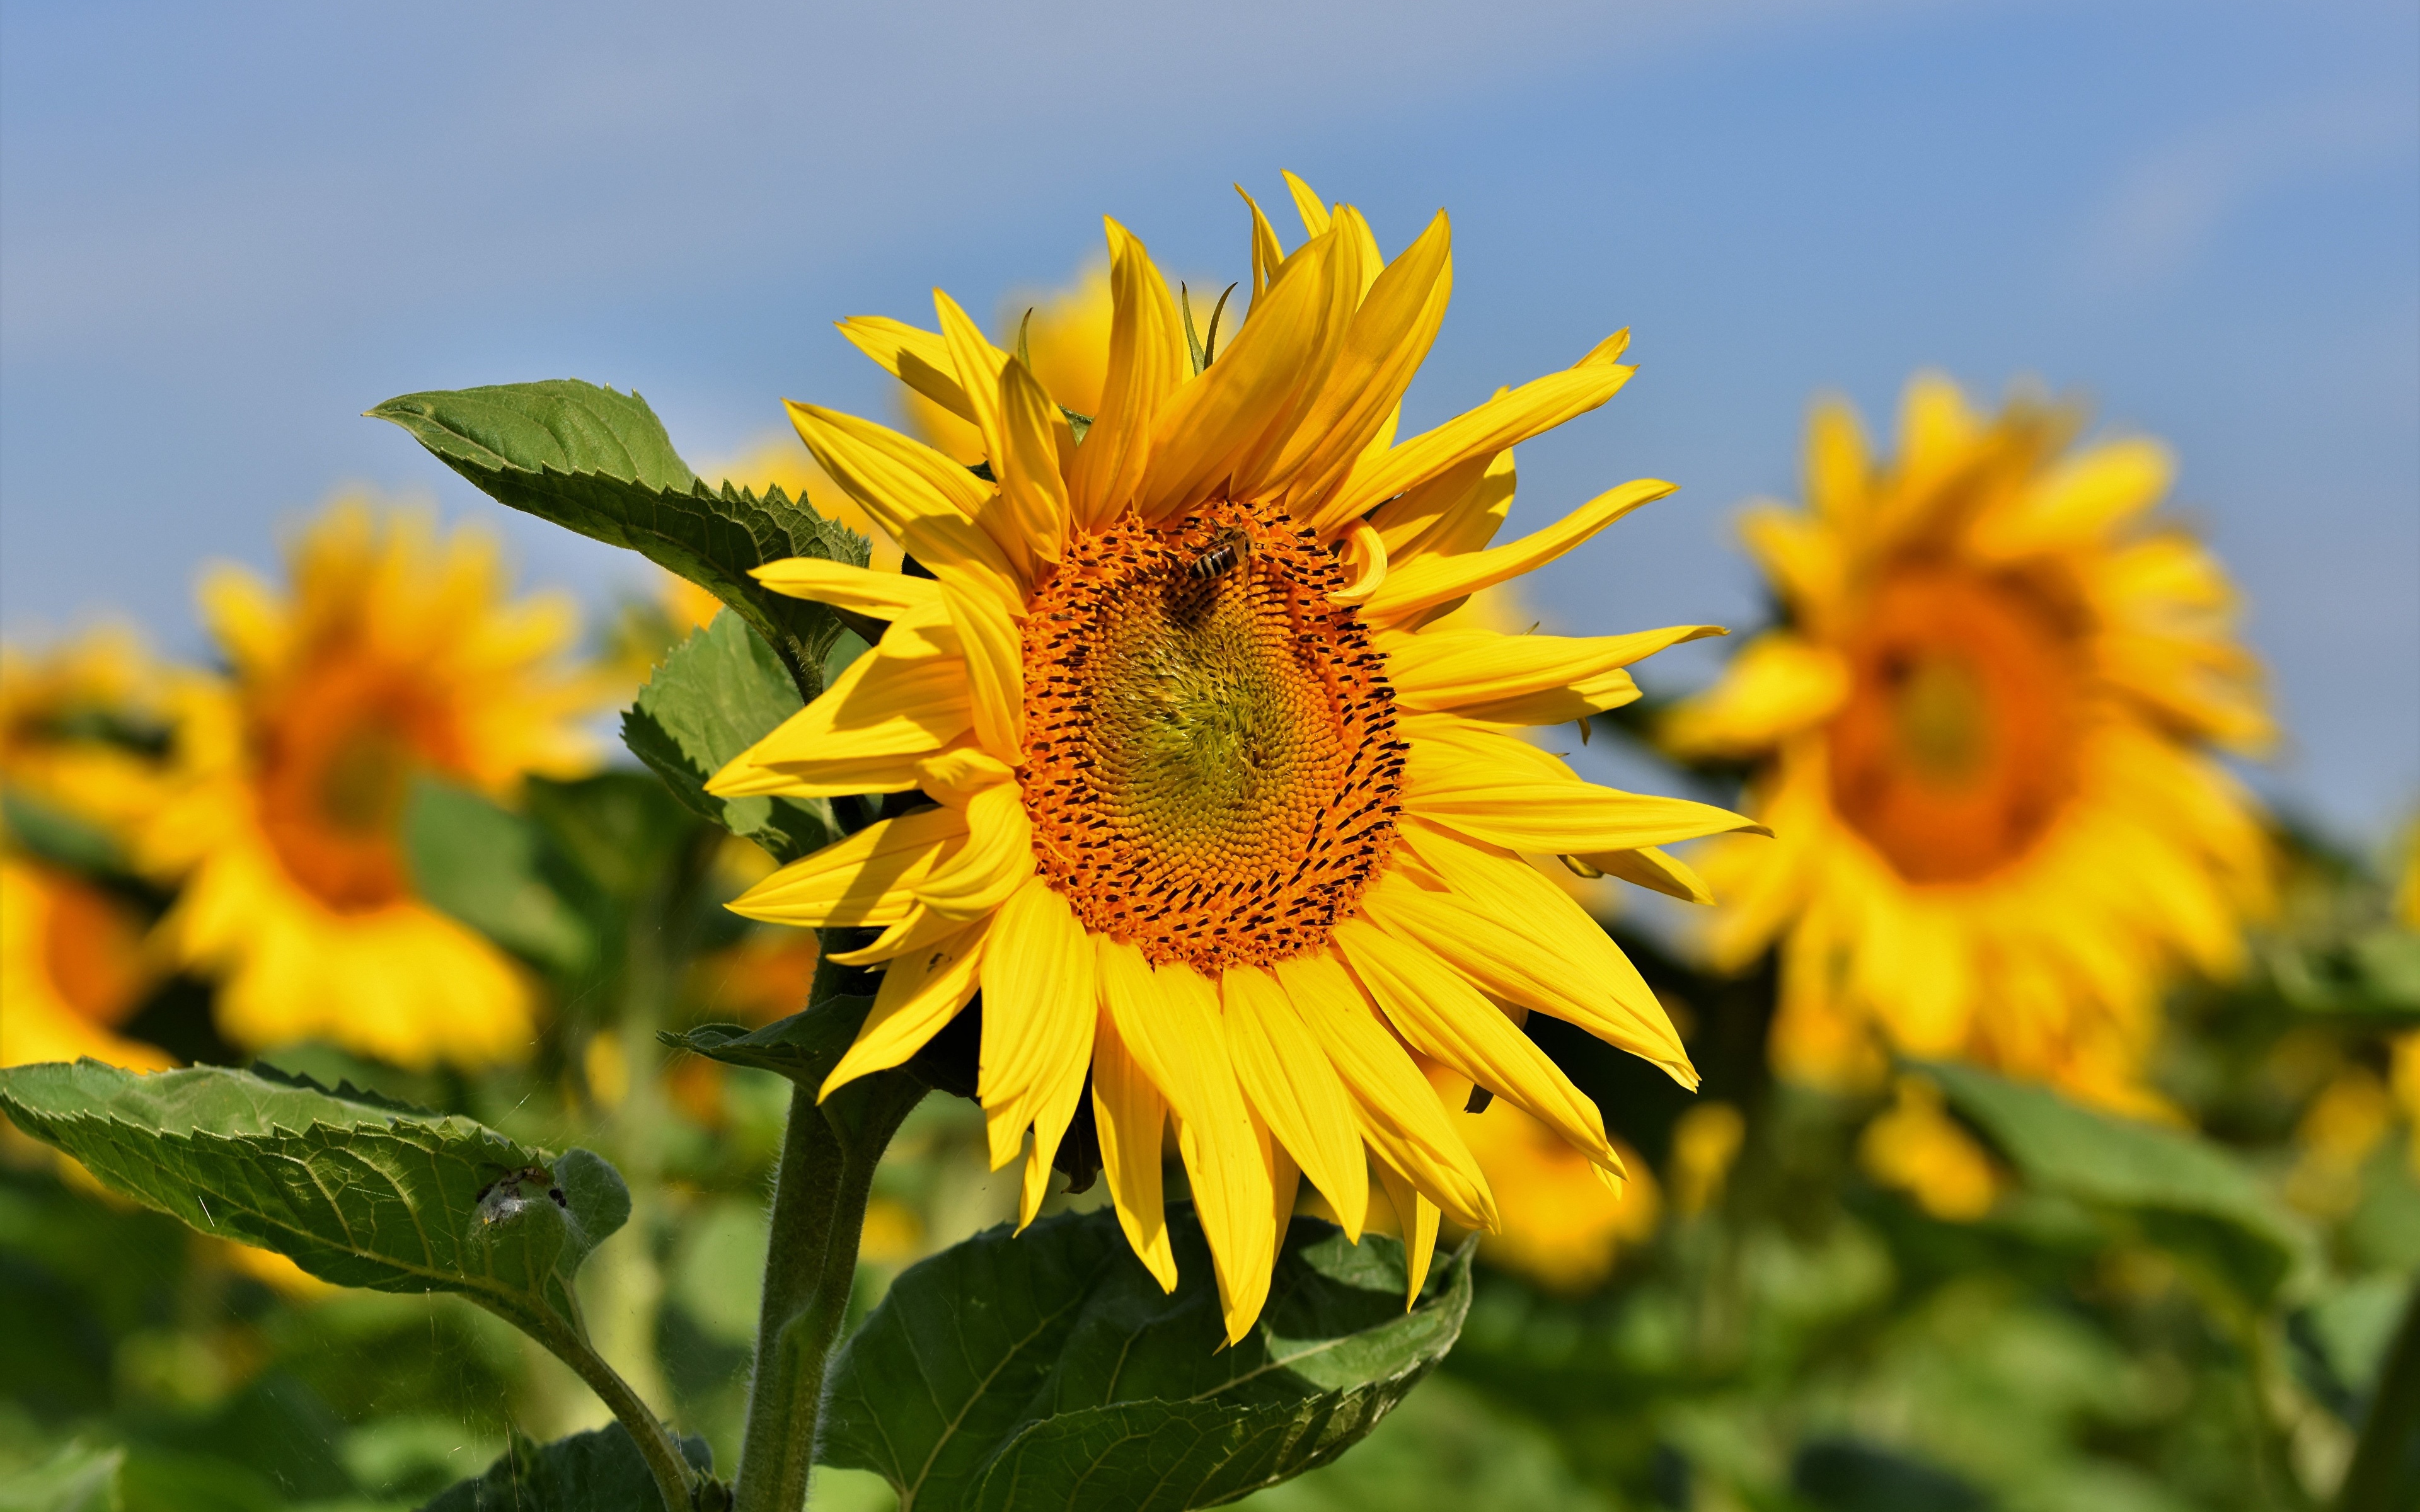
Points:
1988	731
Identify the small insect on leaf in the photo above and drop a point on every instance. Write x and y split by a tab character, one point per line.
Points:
511	1194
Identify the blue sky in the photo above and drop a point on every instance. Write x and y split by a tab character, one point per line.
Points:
225	232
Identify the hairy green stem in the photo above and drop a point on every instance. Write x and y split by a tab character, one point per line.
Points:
829	1158
2389	1439
774	1454
655	1440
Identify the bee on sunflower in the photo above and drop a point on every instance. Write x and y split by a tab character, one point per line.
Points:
1240	852
1986	733
396	654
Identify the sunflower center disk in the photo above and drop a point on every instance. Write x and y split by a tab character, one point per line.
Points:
1211	766
1957	747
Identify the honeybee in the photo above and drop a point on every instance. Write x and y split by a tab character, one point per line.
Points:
1222	556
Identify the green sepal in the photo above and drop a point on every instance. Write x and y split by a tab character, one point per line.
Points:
1046	1369
718	693
356	1189
599	463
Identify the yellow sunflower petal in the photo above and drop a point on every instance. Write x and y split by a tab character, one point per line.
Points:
995	861
1430	580
1648	867
1458	511
1037	1018
1417	1216
1499	801
1778	684
896	478
882	595
1147	363
1836	462
918	358
1384	344
921	993
1507	963
1290	1079
1443	1015
876	721
1209	427
978	365
1307	205
1800	553
1467	669
1031	482
1393	1105
1167	1018
1267	253
1536	407
920	926
869	878
1129	1114
1508	891
1365	564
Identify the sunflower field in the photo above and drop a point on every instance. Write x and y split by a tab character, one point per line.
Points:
1072	954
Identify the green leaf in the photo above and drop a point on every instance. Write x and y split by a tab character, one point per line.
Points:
496	871
585	1472
1047	1370
803	1047
720	692
355	1188
1446	1446
2164	1187
81	1477
599	463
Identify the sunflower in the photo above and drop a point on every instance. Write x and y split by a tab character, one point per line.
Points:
1985	740
1227	832
396	655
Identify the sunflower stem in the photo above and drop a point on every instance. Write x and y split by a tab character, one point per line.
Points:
828	1156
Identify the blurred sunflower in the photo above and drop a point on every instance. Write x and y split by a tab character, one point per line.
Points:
84	728
1222	822
396	654
1984	738
83	735
73	967
1563	1224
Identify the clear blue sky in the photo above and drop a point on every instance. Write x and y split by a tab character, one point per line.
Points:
227	230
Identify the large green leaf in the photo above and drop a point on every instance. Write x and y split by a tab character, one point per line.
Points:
720	692
585	1472
598	462
1047	1370
2164	1187
355	1188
